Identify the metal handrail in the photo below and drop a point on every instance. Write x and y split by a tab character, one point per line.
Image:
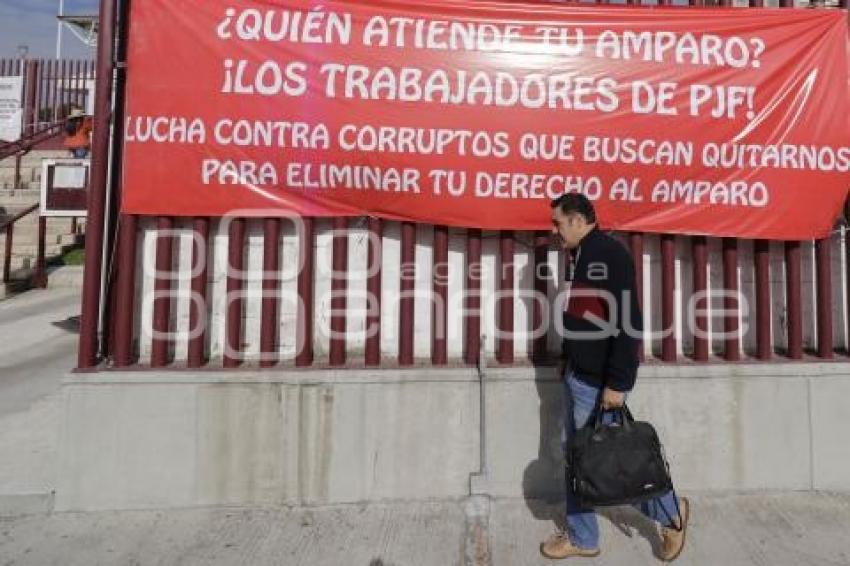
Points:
9	226
26	143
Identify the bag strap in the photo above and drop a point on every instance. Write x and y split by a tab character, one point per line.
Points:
623	412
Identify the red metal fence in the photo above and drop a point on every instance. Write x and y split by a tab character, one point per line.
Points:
51	88
217	314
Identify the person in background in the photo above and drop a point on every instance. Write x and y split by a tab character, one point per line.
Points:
78	128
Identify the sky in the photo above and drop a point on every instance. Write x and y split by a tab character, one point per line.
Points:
33	23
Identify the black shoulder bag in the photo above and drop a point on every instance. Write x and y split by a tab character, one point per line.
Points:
618	463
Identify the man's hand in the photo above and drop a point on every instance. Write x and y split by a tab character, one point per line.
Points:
612	399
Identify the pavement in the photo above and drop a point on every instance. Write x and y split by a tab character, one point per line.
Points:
38	338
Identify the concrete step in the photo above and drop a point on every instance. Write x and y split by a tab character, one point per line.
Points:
54	227
62	238
32	249
34	186
19	199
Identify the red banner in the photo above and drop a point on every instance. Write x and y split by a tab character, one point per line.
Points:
472	113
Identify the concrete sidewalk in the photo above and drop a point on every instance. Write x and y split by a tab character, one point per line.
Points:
38	341
729	530
37	347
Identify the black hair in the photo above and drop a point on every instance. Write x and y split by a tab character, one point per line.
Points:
570	203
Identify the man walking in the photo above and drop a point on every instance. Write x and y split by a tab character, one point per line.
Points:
602	323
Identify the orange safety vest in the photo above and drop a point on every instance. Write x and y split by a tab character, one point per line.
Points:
81	137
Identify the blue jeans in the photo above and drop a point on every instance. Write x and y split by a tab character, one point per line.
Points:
580	400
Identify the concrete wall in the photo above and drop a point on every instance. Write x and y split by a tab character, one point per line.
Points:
136	440
390	271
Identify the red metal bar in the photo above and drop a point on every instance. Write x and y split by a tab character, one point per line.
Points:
42	90
161	343
97	193
472	306
540	348
233	315
77	94
7	255
39	278
31	100
408	284
824	298
339	284
847	267
732	350
440	311
61	91
505	331
764	346
125	285
373	290
51	88
794	300
636	245
271	287
16	182
304	354
668	298
198	306
700	271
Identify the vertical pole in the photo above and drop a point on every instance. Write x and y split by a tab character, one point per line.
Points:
40	275
540	347
472	306
304	339
7	256
162	294
59	30
824	307
233	314
339	284
408	282
30	100
701	305
125	291
668	290
112	206
794	300
93	272
16	182
730	302
373	290
764	346
505	330
271	287
439	326
198	320
847	268
636	245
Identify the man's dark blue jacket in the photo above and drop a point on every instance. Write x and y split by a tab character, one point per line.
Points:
602	320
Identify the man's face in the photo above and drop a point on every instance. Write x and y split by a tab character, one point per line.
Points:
570	227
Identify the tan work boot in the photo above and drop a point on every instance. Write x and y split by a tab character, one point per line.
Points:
673	541
558	546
